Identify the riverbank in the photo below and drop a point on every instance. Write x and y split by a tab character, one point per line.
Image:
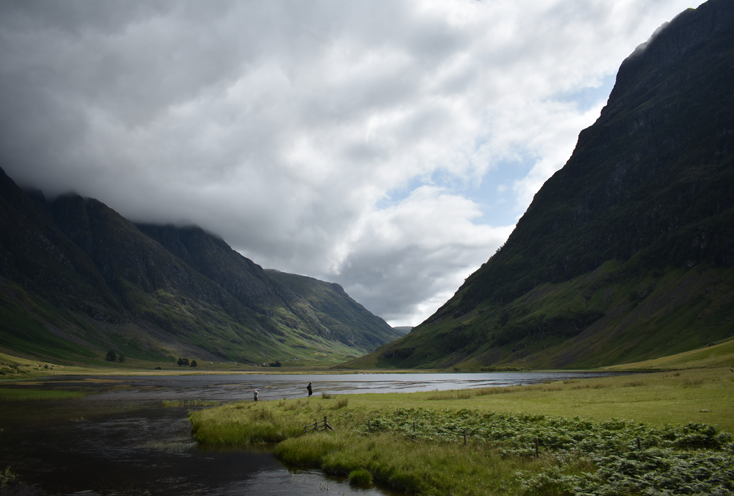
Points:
14	367
415	442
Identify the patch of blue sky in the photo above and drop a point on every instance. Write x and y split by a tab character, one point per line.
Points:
589	96
493	193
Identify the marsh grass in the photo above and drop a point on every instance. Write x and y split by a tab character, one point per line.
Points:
415	467
633	384
189	404
450	395
360	478
33	394
243	423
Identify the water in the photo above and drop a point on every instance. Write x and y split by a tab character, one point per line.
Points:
122	441
240	387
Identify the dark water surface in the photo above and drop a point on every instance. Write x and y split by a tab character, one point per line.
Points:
122	440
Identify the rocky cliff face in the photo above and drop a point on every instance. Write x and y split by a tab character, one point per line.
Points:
626	252
77	280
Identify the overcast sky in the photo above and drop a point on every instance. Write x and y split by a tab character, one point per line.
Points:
389	146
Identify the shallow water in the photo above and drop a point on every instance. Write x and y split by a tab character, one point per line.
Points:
122	441
241	387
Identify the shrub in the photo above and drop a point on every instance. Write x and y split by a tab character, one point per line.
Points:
111	356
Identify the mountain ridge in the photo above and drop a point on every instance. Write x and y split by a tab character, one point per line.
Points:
76	276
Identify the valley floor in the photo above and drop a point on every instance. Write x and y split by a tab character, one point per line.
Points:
625	434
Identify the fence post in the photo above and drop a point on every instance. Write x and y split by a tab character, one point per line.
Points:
316	426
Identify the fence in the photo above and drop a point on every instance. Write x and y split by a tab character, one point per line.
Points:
319	425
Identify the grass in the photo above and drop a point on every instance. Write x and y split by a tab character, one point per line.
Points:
713	356
33	394
190	403
588	430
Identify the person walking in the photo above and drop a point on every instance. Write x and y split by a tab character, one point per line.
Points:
310	389
255	395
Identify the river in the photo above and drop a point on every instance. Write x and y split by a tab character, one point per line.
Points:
122	441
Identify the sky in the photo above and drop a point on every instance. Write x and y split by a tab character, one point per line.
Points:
386	145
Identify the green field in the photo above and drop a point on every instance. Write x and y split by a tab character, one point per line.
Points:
633	434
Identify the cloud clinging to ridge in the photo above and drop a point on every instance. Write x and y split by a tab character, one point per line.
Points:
352	141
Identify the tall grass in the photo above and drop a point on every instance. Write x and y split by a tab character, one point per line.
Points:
242	423
33	394
190	403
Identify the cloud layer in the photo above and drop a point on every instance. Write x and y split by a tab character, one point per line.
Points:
389	145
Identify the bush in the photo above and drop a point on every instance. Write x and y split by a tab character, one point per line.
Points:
111	356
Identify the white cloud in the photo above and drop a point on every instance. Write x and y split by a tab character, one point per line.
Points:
337	139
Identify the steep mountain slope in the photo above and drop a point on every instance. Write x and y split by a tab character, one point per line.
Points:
77	279
351	322
626	253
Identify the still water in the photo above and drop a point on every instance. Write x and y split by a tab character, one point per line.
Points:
122	441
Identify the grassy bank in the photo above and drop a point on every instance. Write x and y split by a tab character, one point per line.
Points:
35	394
617	435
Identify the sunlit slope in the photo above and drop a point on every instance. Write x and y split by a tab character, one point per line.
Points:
711	356
626	253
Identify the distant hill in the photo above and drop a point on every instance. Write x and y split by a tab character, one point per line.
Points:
403	330
78	280
626	253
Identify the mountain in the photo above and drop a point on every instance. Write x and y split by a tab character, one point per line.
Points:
626	253
403	330
77	280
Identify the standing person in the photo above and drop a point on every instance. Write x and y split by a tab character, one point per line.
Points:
310	389
255	395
